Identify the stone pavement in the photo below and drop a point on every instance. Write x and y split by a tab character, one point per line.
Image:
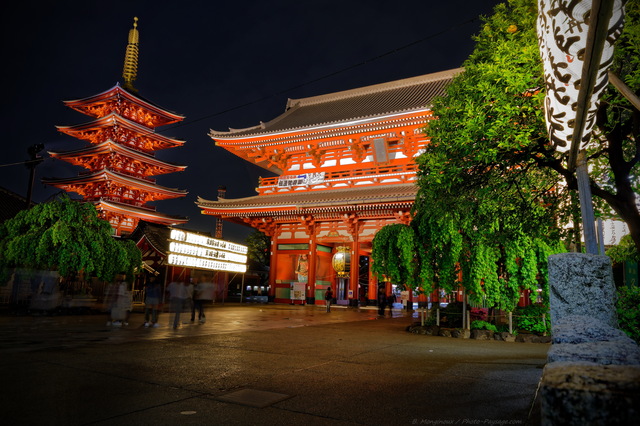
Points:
261	365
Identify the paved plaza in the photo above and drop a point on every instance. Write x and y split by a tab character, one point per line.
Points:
260	365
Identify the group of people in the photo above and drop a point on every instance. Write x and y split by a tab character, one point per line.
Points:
183	297
384	301
192	296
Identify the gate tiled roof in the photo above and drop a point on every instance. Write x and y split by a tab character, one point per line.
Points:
370	101
336	199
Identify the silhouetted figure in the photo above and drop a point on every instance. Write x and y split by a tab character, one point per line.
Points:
203	293
177	299
328	297
382	301
152	300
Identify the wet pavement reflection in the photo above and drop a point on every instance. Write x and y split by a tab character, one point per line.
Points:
19	333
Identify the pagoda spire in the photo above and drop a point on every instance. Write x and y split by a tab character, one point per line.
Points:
119	158
130	70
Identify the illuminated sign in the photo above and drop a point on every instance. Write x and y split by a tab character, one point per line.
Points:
200	251
200	263
304	179
203	240
208	253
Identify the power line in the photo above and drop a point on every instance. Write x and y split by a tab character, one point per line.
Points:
307	83
315	80
26	162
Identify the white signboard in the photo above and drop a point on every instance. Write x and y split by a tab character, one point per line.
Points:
303	179
193	250
298	291
205	241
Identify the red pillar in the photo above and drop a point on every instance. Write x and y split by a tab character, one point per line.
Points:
311	282
354	273
273	264
373	284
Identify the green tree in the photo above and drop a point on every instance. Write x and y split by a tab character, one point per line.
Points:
628	310
484	203
624	251
490	140
259	248
394	254
67	236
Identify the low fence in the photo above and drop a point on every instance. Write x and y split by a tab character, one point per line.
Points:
508	321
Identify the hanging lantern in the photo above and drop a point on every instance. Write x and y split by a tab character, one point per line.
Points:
341	261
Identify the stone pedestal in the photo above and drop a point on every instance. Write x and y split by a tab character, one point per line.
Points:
582	284
593	370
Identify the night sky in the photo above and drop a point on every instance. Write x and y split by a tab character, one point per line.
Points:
220	64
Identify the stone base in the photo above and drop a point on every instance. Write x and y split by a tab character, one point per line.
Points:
428	330
505	336
532	338
590	394
461	333
482	334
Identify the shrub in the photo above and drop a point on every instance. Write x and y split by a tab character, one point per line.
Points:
505	328
529	318
430	321
479	314
628	309
451	315
483	325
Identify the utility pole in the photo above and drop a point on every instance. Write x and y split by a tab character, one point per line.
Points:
32	163
222	190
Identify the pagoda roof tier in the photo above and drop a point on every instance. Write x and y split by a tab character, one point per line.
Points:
154	191
135	108
88	157
120	130
139	213
336	202
343	108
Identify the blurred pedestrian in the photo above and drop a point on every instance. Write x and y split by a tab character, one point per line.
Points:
328	297
109	300
118	301
382	301
177	298
203	292
390	301
188	307
152	300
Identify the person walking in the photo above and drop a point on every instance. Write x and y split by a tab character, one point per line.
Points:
189	287
390	301
382	301
178	297
152	300
118	301
328	297
203	293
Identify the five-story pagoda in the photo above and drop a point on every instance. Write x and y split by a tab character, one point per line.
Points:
120	154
